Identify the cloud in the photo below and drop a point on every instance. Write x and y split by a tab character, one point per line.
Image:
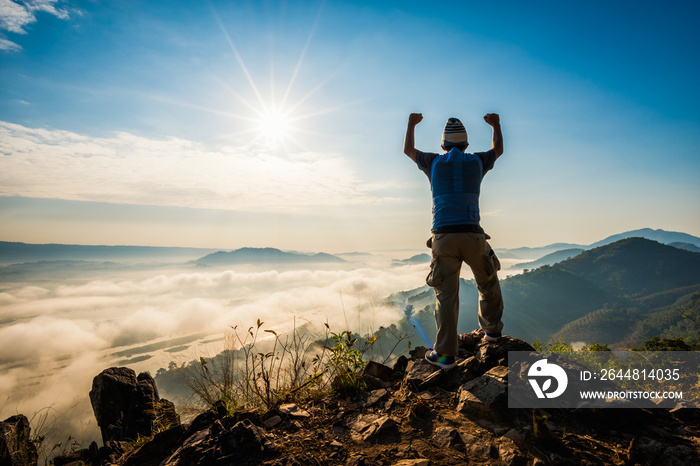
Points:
129	169
8	45
14	17
47	337
63	319
56	336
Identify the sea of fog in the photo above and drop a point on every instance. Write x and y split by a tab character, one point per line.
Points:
62	323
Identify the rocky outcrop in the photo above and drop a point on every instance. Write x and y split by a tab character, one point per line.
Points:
16	447
128	407
412	414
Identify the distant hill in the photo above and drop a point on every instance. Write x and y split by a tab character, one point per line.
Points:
13	252
549	259
662	236
264	256
417	259
535	253
636	323
686	246
636	267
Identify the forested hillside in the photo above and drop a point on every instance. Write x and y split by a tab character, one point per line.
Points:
621	293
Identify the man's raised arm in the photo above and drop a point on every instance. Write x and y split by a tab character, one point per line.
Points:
497	142
409	143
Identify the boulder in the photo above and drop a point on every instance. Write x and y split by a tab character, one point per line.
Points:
421	375
16	447
413	462
447	437
485	395
374	397
400	365
127	406
380	371
292	410
375	429
510	454
161	446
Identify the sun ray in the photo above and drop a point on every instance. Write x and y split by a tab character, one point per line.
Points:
303	53
240	60
327	110
180	103
318	87
274	119
238	96
301	146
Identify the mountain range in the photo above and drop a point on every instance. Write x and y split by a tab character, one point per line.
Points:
679	240
617	294
16	252
622	290
264	256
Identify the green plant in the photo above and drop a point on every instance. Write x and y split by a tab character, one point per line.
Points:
345	363
551	346
45	431
257	372
595	346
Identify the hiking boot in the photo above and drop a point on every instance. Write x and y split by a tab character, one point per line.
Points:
443	362
492	336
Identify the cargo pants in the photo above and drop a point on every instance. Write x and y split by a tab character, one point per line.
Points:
449	251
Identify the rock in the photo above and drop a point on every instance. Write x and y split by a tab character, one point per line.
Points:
414	462
161	446
191	451
470	364
400	365
374	429
509	453
339	428
492	354
16	447
272	422
649	451
375	396
687	412
374	383
87	456
417	353
447	437
420	375
127	406
515	435
468	341
485	395
245	439
243	443
292	410
380	371
679	455
484	449
109	454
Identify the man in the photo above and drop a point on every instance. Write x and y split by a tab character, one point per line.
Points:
455	180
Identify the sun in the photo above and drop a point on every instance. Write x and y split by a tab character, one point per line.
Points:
277	122
273	126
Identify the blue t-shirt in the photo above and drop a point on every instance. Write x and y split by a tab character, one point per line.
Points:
455	179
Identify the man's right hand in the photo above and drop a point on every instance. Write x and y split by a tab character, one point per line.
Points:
492	118
415	118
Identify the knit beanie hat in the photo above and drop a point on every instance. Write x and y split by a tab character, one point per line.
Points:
454	134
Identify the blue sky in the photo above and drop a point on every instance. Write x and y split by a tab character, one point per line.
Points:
138	122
